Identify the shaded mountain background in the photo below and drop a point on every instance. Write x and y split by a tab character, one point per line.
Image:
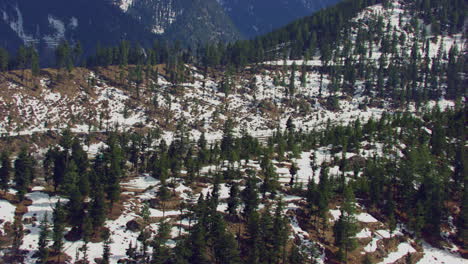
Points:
256	17
45	24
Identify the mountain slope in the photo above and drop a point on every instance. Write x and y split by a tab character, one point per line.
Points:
191	22
46	23
360	151
257	17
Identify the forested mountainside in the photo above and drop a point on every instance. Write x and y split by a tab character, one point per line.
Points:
191	22
254	17
45	24
346	147
249	18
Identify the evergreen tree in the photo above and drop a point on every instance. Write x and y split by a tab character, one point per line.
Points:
250	196
233	200
4	58
18	235
295	256
293	171
106	251
5	171
34	61
224	244
346	227
324	193
24	172
198	245
253	240
463	220
43	241
292	80
87	228
58	228
280	233
98	208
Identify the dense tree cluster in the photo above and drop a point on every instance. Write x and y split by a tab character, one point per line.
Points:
414	187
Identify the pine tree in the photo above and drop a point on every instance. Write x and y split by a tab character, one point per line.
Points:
224	245
43	241
161	252
253	240
98	208
4	58
293	171
295	256
463	220
323	194
292	86
345	228
77	52
145	213
5	171
63	55
34	61
87	228
280	233
198	245
250	196
290	125
270	181
18	235
106	251
229	252
24	172
438	143
58	228
233	200
311	194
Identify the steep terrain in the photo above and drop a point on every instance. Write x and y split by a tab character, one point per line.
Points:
308	142
253	17
192	22
249	18
45	24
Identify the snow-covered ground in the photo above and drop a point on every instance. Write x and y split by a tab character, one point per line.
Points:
403	249
434	255
7	213
204	109
42	206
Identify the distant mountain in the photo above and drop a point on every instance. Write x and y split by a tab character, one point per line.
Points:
224	19
191	21
256	17
45	24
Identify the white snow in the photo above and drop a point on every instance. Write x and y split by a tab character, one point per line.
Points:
42	204
59	35
376	236
403	249
7	213
335	214
18	26
141	182
434	255
364	233
160	213
125	4
366	218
